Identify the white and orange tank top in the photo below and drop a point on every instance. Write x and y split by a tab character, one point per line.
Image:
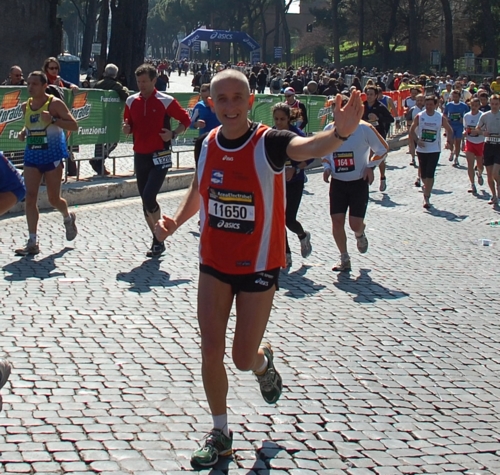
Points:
242	208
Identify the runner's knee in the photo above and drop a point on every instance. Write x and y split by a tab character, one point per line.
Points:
338	220
211	353
244	361
53	197
150	206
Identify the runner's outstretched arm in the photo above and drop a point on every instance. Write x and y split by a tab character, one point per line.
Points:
189	206
346	122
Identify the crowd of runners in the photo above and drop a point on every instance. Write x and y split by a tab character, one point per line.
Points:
248	186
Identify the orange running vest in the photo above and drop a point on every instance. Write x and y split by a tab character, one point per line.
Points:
242	208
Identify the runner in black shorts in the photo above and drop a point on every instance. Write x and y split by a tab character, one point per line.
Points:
426	131
489	126
351	170
349	195
12	188
147	116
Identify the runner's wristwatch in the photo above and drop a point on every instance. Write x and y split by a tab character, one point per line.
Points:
338	136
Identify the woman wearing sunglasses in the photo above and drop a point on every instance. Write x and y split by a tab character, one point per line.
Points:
51	68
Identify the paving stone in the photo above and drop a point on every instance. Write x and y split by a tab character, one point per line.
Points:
391	369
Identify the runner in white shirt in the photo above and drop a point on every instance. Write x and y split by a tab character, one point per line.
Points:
418	107
474	144
426	131
489	126
351	172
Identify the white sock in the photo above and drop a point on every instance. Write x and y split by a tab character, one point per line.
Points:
33	237
220	422
262	368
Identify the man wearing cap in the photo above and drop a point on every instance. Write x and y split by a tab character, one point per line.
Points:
296	104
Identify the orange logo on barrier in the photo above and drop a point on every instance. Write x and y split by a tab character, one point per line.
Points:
325	114
81	108
193	100
10	110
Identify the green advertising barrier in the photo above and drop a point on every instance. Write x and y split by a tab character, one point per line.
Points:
262	108
11	117
99	115
319	112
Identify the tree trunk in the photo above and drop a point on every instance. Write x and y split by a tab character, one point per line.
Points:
286	33
128	36
448	35
102	34
388	34
412	36
336	34
265	34
277	29
488	22
30	33
361	29
88	33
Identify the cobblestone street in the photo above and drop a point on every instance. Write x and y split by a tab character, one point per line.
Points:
392	369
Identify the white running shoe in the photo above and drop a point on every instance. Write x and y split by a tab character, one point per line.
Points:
70	225
480	179
362	243
343	265
305	245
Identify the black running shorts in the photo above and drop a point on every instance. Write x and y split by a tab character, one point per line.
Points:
427	163
257	282
352	195
491	154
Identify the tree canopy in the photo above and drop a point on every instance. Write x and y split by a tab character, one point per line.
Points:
382	26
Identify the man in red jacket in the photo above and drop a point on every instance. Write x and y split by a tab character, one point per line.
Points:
147	116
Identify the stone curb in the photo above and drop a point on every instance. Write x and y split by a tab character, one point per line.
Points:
82	192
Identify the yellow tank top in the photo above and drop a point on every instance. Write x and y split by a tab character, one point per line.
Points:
33	118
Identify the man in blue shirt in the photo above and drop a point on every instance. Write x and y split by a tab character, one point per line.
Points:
204	118
12	188
454	111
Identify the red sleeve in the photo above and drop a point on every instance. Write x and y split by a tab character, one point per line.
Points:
175	111
127	115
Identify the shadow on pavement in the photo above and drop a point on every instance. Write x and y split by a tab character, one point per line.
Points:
297	285
386	201
441	192
440	213
29	267
147	276
365	289
483	195
394	167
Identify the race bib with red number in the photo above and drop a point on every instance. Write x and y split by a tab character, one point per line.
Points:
344	162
